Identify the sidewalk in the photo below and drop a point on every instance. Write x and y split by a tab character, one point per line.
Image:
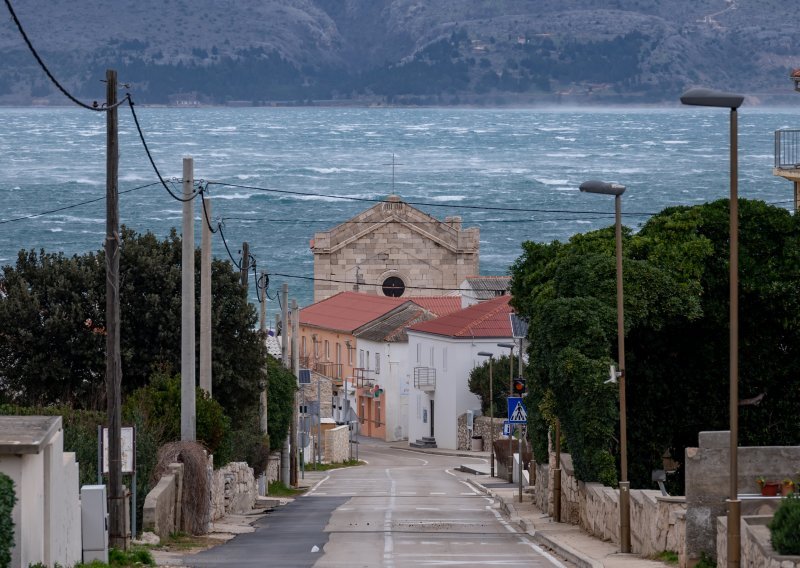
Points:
566	540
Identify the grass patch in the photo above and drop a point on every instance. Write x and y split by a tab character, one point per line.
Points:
328	466
136	556
182	542
278	489
705	561
667	556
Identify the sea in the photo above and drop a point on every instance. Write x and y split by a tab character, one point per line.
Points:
280	174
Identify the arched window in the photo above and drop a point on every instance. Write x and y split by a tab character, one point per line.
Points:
393	287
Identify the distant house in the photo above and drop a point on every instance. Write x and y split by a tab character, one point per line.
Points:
475	289
442	353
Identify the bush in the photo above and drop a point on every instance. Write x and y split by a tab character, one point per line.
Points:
7	500
785	526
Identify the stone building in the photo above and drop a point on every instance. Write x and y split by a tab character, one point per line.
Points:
394	249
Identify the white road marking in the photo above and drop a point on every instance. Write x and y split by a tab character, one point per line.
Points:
316	486
427	508
437	493
388	541
408	493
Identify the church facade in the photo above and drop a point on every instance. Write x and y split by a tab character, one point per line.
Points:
394	249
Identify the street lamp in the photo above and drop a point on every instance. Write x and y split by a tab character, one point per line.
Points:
709	98
617	190
491	409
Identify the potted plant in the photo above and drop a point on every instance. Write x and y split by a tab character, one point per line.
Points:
768	488
787	487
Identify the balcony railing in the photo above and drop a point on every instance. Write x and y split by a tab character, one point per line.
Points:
787	149
425	378
363	377
331	370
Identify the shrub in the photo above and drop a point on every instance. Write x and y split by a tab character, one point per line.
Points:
785	526
7	500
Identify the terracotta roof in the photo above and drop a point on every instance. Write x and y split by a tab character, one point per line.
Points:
438	305
487	319
347	311
392	326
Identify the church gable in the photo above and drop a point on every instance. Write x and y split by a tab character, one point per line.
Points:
394	243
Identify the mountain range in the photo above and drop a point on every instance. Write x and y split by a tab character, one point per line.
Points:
401	51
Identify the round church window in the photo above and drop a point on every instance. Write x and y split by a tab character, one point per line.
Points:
393	287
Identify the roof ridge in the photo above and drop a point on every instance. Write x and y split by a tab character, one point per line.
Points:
485	316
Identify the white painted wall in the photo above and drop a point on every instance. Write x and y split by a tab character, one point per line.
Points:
47	516
453	360
393	379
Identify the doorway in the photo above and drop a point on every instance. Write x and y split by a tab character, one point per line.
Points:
432	415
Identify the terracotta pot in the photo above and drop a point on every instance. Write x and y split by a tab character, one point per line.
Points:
770	489
787	489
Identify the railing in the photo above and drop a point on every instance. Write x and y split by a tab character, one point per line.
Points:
425	378
363	377
787	149
332	370
305	361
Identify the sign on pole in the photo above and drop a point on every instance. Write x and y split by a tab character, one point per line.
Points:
516	411
128	452
506	428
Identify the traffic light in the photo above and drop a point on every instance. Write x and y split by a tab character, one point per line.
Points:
519	386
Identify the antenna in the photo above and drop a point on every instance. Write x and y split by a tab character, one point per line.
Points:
393	164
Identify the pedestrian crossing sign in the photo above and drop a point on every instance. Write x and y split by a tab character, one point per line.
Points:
516	412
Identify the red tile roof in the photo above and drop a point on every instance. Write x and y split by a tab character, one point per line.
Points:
438	305
487	319
347	311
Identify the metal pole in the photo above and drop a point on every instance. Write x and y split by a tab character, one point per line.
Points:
734	505
205	300
510	460
624	485
296	368
491	420
99	455
285	326
113	360
319	423
521	437
188	411
557	475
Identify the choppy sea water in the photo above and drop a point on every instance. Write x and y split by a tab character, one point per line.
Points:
459	161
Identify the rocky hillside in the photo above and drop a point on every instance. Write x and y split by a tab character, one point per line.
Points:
402	51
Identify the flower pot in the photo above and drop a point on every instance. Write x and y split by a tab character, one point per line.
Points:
770	489
787	489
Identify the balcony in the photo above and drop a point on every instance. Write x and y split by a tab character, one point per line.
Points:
363	377
328	369
425	379
787	159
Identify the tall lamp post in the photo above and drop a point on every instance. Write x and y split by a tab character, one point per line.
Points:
491	409
709	98
617	190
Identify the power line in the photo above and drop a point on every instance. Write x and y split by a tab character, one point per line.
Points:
94	106
335	281
476	221
34	215
423	204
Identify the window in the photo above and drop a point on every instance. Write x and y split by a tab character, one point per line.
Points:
361	358
316	347
432	359
378	413
367	360
327	350
303	348
350	351
377	363
444	358
393	287
419	352
338	353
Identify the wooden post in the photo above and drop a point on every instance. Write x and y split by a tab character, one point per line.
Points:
296	369
245	263
188	411
116	509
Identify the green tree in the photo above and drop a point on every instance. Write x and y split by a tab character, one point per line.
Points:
479	384
676	326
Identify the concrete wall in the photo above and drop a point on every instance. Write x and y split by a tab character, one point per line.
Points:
657	522
233	490
707	484
162	506
757	551
47	515
337	444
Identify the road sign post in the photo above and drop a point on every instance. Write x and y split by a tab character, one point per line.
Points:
516	411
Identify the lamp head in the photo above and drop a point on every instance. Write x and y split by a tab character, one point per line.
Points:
506	345
597	186
711	98
485	354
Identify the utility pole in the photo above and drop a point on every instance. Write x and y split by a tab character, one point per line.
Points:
263	319
263	397
286	471
205	301
296	369
117	537
245	263
188	411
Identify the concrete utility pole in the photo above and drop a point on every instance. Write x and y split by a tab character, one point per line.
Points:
263	319
245	263
263	397
205	302
285	455
116	510
296	370
188	412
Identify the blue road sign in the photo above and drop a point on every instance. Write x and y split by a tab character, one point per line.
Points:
516	412
507	428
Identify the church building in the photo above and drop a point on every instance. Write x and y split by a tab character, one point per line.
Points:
393	249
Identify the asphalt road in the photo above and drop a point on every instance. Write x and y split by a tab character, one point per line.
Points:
402	509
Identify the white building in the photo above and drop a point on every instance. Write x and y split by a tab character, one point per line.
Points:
442	353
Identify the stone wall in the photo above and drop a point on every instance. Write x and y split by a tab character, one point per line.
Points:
480	427
162	506
233	490
337	444
707	484
274	467
657	522
757	551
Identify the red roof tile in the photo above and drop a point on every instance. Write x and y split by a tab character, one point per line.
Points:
487	319
347	311
438	305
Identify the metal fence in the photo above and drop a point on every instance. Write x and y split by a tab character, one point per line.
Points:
787	149
425	378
